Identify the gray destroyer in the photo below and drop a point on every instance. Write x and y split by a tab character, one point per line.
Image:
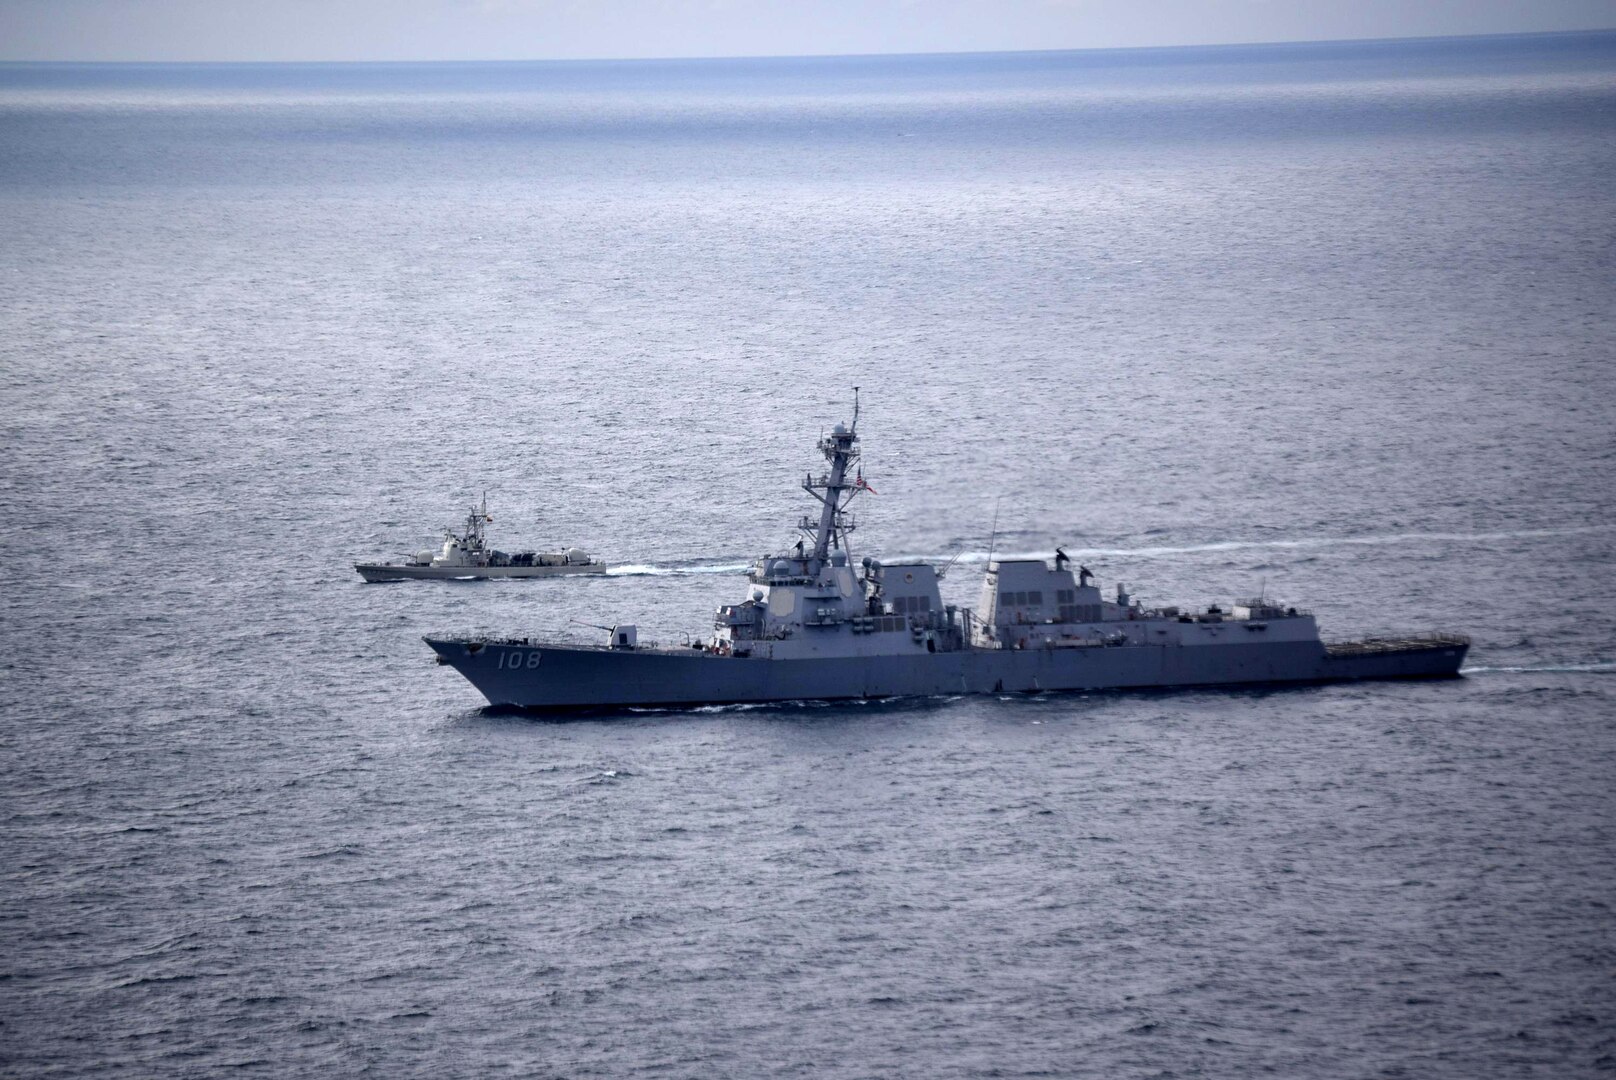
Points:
815	626
466	554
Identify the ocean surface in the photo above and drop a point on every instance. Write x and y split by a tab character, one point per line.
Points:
1333	322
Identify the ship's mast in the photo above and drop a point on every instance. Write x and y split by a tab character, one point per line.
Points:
474	525
839	449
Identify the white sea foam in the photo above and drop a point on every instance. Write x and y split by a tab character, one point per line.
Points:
1595	668
648	570
652	570
1305	542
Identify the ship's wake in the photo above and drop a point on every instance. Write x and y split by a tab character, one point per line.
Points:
1597	667
1213	547
1300	543
647	570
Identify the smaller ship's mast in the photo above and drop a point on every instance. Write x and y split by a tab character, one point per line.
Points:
475	520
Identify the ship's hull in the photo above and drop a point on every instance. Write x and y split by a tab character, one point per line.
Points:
549	678
406	572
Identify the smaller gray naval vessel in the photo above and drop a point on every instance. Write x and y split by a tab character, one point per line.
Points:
815	626
466	554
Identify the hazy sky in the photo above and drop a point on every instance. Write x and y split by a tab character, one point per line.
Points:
577	29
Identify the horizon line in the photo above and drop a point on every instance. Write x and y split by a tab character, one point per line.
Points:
836	56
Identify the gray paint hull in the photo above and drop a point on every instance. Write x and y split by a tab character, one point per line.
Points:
552	678
398	572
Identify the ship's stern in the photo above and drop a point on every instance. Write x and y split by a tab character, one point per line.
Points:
1420	656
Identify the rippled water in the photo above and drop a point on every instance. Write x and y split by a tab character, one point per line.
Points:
1329	321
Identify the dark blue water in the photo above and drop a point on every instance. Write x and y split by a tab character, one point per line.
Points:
1331	321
